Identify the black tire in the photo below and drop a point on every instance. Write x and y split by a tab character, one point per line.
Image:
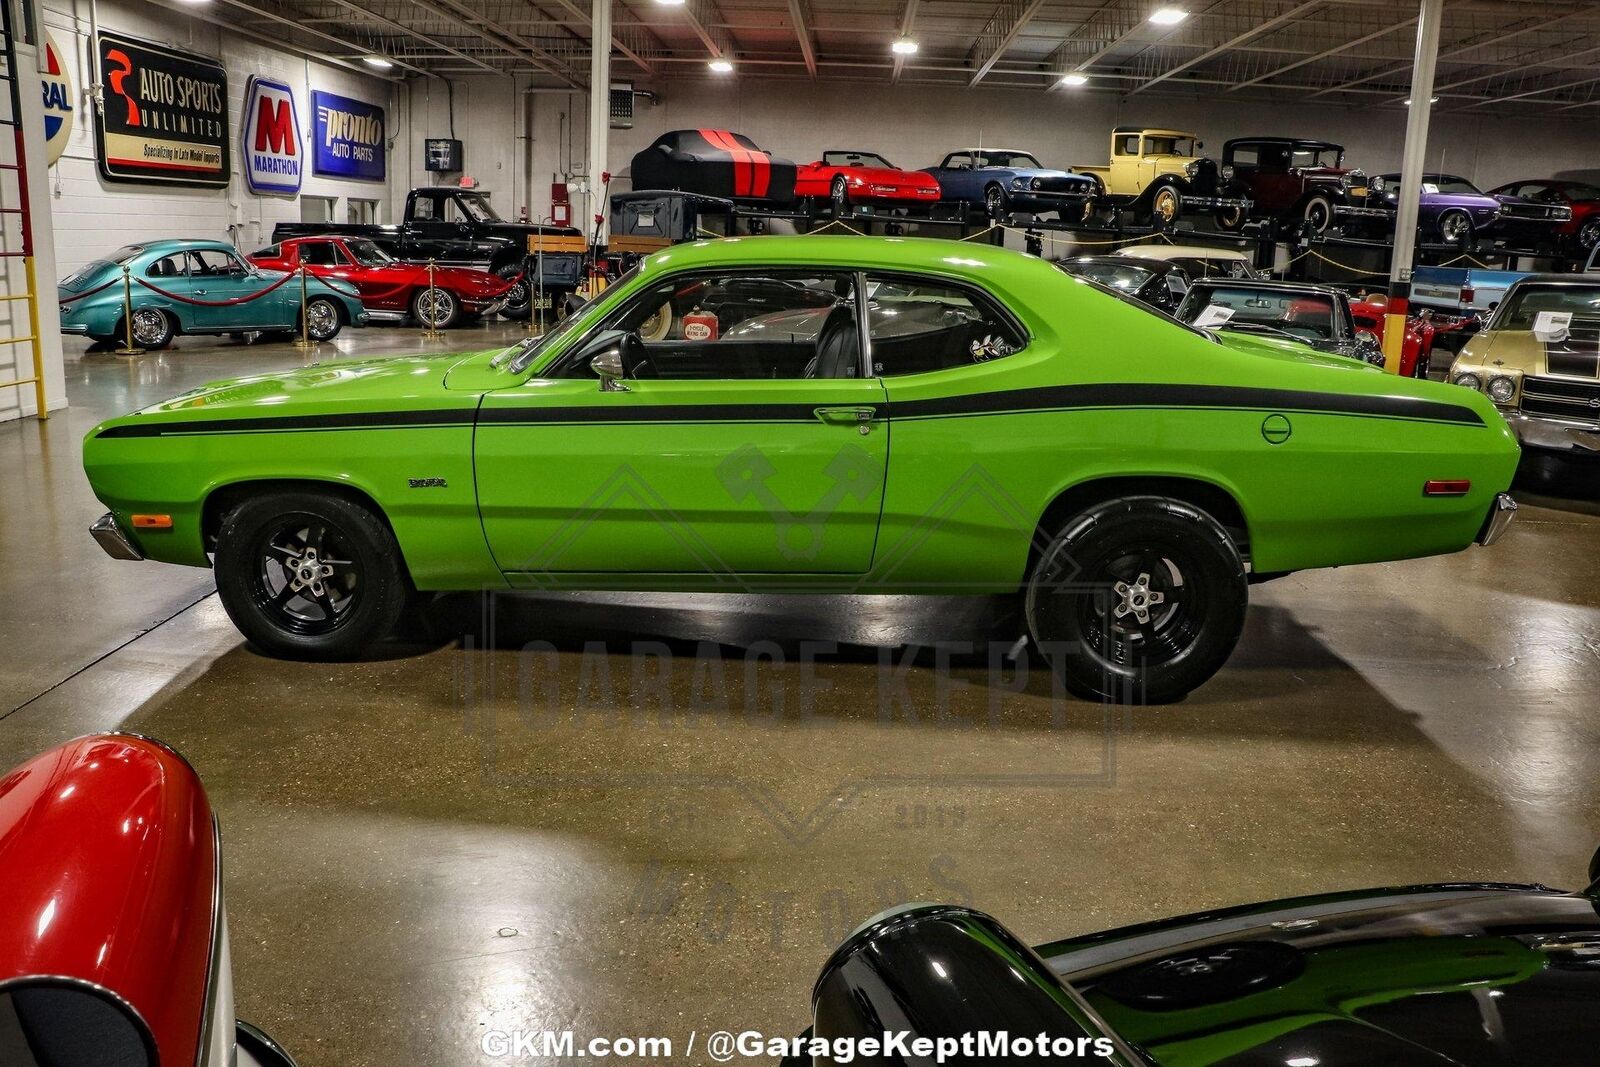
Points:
1230	219
1112	561
1166	204
1455	227
1589	235
1318	211
839	196
519	301
332	616
152	328
323	320
435	308
994	202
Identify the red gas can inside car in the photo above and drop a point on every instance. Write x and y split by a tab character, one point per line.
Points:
699	325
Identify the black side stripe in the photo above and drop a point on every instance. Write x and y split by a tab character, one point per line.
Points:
1016	401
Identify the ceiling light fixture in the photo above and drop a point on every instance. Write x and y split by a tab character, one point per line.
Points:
670	3
378	62
721	66
1075	79
1431	100
1168	16
905	46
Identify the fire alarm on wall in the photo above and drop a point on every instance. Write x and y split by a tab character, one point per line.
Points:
441	154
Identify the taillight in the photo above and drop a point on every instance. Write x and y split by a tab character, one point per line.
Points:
1467	293
1447	487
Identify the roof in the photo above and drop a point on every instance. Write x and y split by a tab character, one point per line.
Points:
1309	142
843	250
179	244
1271	284
1158	130
1165	251
1154	266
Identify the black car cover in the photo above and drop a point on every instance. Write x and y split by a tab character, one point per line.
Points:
714	163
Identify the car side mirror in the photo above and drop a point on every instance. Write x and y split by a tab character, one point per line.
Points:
607	366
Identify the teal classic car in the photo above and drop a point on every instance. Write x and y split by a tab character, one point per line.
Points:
963	420
194	286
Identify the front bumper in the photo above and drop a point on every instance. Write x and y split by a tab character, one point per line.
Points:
1501	512
1217	202
109	536
1352	211
1046	200
1535	432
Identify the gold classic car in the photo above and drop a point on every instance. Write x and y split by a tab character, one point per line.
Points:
1538	359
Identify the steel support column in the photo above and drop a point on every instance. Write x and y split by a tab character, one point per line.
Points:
599	111
1413	161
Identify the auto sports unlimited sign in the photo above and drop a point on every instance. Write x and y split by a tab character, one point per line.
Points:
272	150
165	117
348	138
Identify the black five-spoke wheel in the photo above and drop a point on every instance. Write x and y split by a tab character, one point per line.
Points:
309	575
1138	599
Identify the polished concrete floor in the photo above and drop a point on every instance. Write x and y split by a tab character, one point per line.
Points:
595	813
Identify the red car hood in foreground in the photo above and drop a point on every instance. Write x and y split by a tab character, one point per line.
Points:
110	889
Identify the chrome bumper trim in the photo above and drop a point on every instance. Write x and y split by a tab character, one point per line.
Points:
1536	432
1362	212
1501	513
109	536
1216	201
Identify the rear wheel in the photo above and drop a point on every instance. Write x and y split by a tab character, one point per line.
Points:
1231	219
435	308
1138	599
153	328
519	298
306	575
1166	205
322	319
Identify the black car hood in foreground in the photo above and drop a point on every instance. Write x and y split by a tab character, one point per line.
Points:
1467	975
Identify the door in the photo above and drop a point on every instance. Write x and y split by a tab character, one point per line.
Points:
743	440
218	275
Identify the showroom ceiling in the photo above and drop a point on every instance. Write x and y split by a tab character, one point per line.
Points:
1501	55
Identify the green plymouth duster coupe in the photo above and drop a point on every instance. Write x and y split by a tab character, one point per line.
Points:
840	414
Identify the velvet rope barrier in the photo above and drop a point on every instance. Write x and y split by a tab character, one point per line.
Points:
87	292
279	284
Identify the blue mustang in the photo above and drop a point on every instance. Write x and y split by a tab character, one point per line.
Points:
194	286
1003	180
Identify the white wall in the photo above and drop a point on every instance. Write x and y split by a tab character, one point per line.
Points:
93	216
489	121
914	126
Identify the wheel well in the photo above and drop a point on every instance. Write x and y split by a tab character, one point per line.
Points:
339	309
1212	499
225	497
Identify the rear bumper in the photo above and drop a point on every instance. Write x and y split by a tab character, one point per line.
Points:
1501	512
109	536
1553	434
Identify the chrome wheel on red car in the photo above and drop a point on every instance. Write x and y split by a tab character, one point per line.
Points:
839	196
435	308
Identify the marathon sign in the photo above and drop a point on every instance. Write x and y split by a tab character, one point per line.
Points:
273	155
165	114
347	138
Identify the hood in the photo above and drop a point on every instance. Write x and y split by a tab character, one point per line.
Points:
1465	976
889	176
1578	356
1042	172
340	386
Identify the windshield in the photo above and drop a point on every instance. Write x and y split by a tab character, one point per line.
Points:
1125	276
1316	157
1524	302
1196	267
856	159
1007	159
1309	316
1169	146
366	253
520	356
477	207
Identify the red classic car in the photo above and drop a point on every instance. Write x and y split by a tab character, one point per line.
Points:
114	948
847	179
1583	229
387	286
1415	354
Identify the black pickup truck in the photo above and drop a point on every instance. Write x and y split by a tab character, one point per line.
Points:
459	227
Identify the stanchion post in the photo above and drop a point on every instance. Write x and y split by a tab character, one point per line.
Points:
430	333
127	348
305	341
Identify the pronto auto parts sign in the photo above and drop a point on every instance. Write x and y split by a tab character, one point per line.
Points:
165	114
56	84
348	137
272	153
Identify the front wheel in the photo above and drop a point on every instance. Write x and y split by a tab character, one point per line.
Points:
309	576
322	319
1455	227
1138	599
153	328
518	303
994	202
1318	211
435	308
1589	235
1230	219
839	196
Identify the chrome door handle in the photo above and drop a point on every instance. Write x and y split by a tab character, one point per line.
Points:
862	417
198	292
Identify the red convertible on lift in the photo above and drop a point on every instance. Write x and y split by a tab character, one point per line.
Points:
848	179
1415	353
385	285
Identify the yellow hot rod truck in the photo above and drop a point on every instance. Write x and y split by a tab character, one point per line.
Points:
1159	174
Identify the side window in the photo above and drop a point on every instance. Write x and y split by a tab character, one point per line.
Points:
960	161
166	267
925	324
422	209
212	262
1128	145
317	253
746	325
1246	155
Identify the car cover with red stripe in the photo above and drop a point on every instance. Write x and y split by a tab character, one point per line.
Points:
714	163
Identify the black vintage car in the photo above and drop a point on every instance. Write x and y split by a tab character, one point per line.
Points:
1293	180
1160	283
1315	315
1446	975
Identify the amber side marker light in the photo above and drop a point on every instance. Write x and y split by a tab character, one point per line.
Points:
1448	487
164	522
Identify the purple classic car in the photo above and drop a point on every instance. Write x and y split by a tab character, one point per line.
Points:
1455	211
